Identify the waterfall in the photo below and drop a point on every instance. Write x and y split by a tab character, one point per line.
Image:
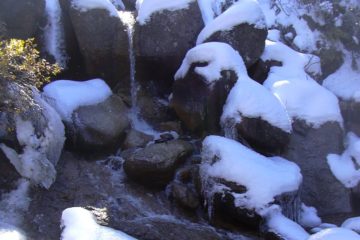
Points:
137	122
54	33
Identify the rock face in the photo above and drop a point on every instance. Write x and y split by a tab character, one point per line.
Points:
29	17
350	111
99	127
155	164
31	139
309	148
103	44
199	104
136	139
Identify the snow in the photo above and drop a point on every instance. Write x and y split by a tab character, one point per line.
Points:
245	11
54	33
244	101
345	82
118	4
309	217
86	5
39	154
335	234
210	9
302	96
66	95
148	7
345	167
285	227
352	224
263	177
219	56
79	224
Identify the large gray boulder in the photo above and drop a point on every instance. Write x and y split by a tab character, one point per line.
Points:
23	18
309	148
350	110
31	137
155	164
99	127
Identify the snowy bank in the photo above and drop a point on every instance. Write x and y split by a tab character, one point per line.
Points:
66	95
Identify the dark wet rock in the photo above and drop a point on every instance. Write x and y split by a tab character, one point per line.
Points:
99	127
103	45
259	71
331	60
350	111
199	104
184	195
23	18
136	139
309	148
9	176
116	203
155	164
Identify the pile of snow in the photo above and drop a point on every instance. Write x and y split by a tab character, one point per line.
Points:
352	224
148	7
335	234
264	178
302	96
219	56
54	33
86	5
79	224
39	154
345	82
66	95
308	217
343	167
245	11
285	227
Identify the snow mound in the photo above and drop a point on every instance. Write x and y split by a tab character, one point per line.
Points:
66	95
302	96
79	224
345	82
219	56
86	5
345	167
352	224
264	178
245	11
309	217
148	7
250	99
285	227
335	234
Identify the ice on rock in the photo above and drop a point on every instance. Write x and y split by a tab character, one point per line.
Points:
86	5
302	96
79	224
335	234
245	11
66	95
148	7
345	82
345	167
265	178
309	217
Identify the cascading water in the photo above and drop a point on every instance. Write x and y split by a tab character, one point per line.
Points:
54	33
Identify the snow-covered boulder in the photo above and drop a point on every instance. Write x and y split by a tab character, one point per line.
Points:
31	138
242	26
202	84
95	119
155	164
242	185
335	234
101	39
164	32
23	18
352	224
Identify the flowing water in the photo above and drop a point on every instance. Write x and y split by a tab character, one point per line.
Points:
54	33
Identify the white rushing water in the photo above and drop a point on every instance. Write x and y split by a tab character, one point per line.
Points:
54	33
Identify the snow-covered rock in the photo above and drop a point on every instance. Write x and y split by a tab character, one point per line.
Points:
308	217
335	234
86	5
235	177
79	224
202	84
352	224
35	145
242	26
